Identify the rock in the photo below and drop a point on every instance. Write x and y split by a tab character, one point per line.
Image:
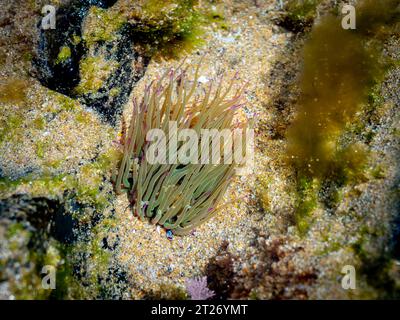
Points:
28	229
61	53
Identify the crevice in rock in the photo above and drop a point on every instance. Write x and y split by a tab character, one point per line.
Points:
64	77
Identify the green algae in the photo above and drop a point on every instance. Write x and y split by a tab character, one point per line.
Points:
39	123
68	287
334	84
214	13
300	14
88	183
88	187
8	125
340	93
96	265
262	186
378	172
53	253
56	255
307	202
168	291
175	27
114	92
13	94
378	266
40	149
66	103
76	40
82	117
102	25
94	71
29	285
13	91
14	229
160	28
170	28
27	56
63	55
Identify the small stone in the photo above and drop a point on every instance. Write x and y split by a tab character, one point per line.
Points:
170	235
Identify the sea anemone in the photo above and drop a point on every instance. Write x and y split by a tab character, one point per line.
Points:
178	196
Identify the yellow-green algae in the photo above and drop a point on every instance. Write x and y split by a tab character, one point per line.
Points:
162	28
94	70
13	94
97	265
65	103
341	67
307	202
169	26
63	258
101	25
87	183
300	14
76	39
64	54
13	90
29	286
18	117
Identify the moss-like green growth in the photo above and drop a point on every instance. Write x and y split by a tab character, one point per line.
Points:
263	182
66	103
115	92
170	27
40	149
63	55
82	117
94	269
213	12
168	291
68	287
334	85
94	71
162	28
33	250
299	14
28	285
307	202
102	25
377	265
27	56
8	125
378	172
82	268
13	91
76	40
88	184
349	165
39	123
14	229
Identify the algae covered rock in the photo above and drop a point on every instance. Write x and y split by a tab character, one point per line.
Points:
100	49
27	244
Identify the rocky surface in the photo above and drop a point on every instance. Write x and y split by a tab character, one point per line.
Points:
65	96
